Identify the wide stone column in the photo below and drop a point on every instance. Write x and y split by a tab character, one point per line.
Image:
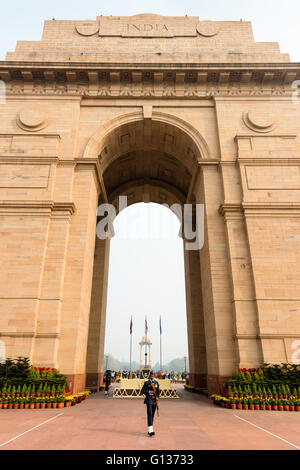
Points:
24	229
47	334
78	276
195	320
97	320
216	282
245	319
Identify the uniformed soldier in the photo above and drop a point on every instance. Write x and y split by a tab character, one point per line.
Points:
107	379
151	390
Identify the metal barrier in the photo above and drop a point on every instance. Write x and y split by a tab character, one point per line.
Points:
131	388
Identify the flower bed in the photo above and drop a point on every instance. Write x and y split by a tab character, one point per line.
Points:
189	388
17	376
46	401
246	402
271	387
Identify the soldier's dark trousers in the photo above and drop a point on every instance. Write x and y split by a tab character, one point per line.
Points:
150	413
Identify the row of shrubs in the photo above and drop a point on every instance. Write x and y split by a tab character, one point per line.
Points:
19	373
27	389
255	389
268	375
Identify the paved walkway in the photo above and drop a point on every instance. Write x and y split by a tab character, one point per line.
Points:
189	423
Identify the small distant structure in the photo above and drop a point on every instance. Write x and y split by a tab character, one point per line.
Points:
145	363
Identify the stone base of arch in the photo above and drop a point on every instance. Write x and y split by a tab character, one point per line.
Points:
76	382
198	380
216	383
94	380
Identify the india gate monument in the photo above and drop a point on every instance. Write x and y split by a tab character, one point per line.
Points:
163	109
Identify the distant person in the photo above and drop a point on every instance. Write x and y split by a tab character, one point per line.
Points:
151	390
107	379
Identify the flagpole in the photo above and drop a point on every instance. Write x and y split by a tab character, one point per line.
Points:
130	343
160	344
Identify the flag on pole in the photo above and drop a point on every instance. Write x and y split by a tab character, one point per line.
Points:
160	329
131	326
146	326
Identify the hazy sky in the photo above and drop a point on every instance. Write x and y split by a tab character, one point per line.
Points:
272	20
146	276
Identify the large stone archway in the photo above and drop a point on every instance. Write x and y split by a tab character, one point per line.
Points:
162	109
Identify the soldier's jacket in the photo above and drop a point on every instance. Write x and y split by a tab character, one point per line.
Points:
147	388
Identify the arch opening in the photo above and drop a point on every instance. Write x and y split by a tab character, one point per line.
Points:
147	161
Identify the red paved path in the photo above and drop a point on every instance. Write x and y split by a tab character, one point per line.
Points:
191	422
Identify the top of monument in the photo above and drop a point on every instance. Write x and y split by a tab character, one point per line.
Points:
147	38
145	340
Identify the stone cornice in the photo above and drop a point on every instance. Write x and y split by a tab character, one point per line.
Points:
260	209
40	208
10	64
266	336
92	80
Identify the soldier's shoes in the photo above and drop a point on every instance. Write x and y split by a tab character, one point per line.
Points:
151	433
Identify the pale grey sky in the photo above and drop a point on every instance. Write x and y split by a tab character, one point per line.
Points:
146	276
272	20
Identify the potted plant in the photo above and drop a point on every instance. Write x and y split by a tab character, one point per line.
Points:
68	402
286	405
31	400
5	403
61	401
250	403
238	402
256	403
4	390
40	390
268	404
274	403
292	405
297	404
54	401
48	402
21	403
42	402
37	402
1	403
23	390
26	403
279	405
232	403
245	403
263	404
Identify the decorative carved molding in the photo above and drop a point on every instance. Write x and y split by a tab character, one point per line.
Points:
229	81
144	90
